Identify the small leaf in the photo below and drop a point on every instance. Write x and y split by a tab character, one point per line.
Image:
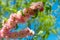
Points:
35	15
16	27
54	0
54	31
35	38
40	32
45	36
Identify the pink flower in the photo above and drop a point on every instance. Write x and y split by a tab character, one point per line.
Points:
13	35
37	5
34	7
13	17
28	11
19	14
4	31
11	25
23	33
22	19
29	31
0	35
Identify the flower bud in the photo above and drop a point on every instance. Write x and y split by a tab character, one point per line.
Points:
31	32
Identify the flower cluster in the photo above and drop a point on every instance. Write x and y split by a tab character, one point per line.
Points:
21	34
19	17
37	5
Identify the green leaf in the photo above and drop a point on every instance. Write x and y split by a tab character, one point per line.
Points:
54	31
36	14
13	10
45	36
2	38
39	28
35	38
44	1
16	27
0	25
54	0
47	20
40	32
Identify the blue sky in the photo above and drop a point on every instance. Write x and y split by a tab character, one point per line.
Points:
56	12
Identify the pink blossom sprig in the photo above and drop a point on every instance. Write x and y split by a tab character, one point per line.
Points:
21	34
19	18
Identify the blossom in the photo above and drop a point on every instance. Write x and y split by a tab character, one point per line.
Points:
37	5
20	17
4	32
31	32
0	34
13	18
21	34
28	11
